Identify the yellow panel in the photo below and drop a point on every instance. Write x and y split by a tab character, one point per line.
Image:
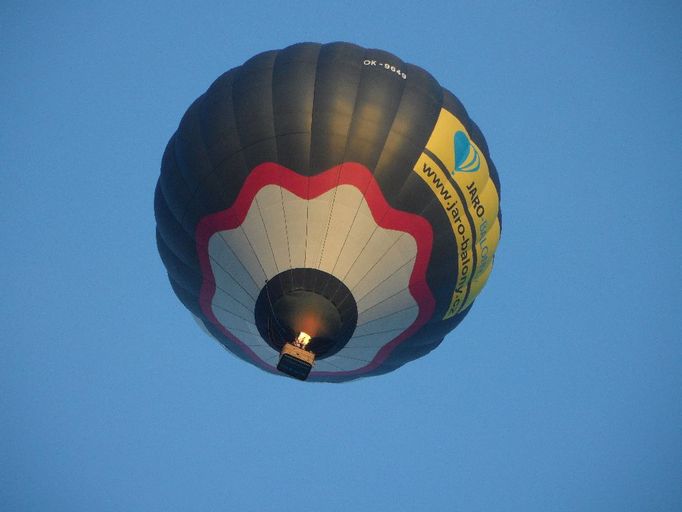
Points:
467	194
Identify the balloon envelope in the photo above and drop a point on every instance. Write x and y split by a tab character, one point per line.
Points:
331	190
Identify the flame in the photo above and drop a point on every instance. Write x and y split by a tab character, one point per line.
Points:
303	339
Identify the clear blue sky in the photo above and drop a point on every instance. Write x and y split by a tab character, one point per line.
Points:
561	391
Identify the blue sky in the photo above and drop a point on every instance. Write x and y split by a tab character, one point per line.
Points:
560	391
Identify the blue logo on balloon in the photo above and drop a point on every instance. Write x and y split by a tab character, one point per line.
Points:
466	155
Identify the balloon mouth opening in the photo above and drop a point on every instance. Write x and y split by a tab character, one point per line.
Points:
309	301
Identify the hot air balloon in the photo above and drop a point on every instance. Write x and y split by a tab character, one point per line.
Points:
327	212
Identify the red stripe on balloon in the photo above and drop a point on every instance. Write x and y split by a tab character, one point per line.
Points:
385	216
